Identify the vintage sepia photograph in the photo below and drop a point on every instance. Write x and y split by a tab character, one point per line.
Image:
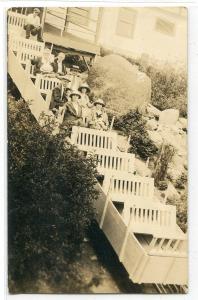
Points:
97	126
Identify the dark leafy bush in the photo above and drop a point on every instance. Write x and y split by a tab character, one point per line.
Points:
182	211
162	185
50	197
133	124
181	181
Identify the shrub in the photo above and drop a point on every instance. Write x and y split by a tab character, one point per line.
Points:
181	181
162	185
134	125
161	165
182	211
50	196
168	89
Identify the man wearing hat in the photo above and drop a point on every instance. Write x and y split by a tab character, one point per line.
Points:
73	111
99	118
33	25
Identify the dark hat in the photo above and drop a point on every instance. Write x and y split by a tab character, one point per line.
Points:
68	89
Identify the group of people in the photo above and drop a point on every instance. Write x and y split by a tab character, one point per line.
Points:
71	98
77	109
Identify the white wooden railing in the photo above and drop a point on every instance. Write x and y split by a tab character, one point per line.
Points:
150	218
90	139
127	186
113	161
16	22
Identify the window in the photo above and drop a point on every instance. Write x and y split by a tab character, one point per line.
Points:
126	22
165	27
78	15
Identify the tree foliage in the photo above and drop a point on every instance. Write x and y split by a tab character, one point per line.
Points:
50	197
133	124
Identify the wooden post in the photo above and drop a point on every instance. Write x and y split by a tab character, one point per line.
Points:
128	143
105	207
88	68
147	162
43	19
166	193
112	121
125	240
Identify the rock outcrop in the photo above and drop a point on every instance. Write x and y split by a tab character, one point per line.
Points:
119	83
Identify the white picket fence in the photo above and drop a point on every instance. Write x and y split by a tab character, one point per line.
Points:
88	139
16	22
150	218
113	161
127	186
46	84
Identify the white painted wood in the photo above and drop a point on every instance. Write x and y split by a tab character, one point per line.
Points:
134	189
45	85
106	161
88	139
16	22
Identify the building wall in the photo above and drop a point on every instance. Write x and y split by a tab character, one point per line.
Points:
79	21
146	40
88	30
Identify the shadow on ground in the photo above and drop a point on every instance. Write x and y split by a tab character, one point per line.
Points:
109	260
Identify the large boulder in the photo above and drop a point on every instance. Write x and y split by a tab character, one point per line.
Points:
152	111
119	83
169	116
151	124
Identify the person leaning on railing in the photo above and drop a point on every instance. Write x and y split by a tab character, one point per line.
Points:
33	25
99	118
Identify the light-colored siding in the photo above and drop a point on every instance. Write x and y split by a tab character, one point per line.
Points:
146	39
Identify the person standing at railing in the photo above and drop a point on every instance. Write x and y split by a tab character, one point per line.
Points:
58	64
99	119
33	25
75	77
84	101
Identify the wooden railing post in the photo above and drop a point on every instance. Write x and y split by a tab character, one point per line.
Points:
128	229
105	207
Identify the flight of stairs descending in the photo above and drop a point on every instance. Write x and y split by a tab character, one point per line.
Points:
150	254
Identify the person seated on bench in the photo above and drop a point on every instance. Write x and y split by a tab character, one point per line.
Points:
99	118
58	65
33	25
43	64
60	96
73	111
84	101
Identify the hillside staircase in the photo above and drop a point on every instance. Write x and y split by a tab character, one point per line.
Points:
142	231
